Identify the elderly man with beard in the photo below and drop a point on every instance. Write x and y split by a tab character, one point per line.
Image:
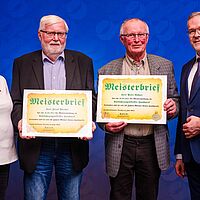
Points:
52	68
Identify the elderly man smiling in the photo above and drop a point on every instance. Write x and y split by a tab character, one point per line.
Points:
52	68
138	150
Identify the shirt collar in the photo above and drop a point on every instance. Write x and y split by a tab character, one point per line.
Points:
45	58
132	62
197	57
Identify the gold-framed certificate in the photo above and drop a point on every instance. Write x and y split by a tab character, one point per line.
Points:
132	98
57	113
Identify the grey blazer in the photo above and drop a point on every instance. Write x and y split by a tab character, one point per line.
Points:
114	142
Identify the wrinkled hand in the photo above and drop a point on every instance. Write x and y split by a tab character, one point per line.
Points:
180	168
192	127
115	127
170	107
89	138
20	131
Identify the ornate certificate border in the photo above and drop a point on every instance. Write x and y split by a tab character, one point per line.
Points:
133	99
57	113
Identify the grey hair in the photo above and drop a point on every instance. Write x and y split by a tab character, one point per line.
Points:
51	19
132	19
193	15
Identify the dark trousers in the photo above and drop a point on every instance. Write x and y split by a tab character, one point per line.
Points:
4	175
193	174
138	159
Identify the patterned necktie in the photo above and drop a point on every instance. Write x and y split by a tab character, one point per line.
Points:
195	79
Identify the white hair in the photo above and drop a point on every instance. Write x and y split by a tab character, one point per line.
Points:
193	15
133	19
51	19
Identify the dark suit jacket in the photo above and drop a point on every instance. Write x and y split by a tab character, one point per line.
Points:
28	74
188	107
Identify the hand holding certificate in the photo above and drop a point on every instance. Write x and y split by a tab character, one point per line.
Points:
57	113
133	99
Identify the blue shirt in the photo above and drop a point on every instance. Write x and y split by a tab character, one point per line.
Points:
54	73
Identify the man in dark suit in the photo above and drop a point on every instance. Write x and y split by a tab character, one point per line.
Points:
51	68
138	150
187	147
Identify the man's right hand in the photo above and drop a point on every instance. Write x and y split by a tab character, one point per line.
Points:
180	168
20	131
115	127
192	127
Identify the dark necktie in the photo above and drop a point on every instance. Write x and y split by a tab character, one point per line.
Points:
195	79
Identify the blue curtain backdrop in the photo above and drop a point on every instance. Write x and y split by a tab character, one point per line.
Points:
94	30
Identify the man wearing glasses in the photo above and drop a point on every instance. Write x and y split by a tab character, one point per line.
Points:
138	150
187	147
52	68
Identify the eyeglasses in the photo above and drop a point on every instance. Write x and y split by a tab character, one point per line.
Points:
50	34
141	36
192	32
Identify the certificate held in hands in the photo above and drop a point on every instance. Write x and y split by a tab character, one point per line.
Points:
132	99
57	113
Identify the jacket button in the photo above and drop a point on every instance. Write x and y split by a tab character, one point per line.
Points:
119	146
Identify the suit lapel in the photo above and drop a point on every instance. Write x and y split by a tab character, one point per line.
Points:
70	67
184	81
196	89
117	68
153	65
38	69
197	86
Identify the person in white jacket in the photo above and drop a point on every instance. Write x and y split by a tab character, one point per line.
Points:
7	144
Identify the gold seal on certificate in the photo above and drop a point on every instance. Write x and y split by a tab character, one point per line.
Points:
57	113
133	99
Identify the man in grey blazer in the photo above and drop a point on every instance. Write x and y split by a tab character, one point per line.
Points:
138	150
